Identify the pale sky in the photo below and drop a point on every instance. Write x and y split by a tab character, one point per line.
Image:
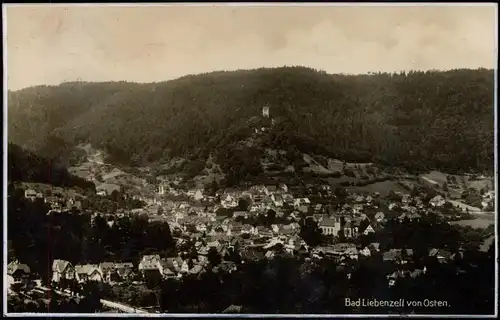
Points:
52	44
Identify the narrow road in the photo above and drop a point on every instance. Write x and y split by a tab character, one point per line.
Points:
121	307
110	304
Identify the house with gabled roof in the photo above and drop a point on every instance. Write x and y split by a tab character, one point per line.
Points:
252	255
440	254
242	214
374	246
400	256
107	269
18	270
124	270
329	226
365	252
349	229
437	202
62	269
301	201
277	200
88	272
30	194
149	262
265	232
368	230
379	216
168	271
287	230
283	187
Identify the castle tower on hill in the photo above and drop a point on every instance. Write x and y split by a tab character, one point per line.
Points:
265	111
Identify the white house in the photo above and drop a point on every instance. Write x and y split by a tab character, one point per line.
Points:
392	206
265	112
185	267
62	269
30	194
330	227
201	227
229	202
283	187
10	281
88	272
380	216
301	201
149	262
365	252
369	230
198	195
277	200
437	201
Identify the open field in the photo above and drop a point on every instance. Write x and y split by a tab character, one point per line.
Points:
480	222
381	187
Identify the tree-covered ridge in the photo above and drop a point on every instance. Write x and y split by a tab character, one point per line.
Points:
25	166
433	119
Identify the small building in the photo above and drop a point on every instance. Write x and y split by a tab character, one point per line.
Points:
369	230
440	254
30	194
62	269
18	270
330	227
437	201
124	270
88	272
265	111
149	262
379	216
107	189
107	269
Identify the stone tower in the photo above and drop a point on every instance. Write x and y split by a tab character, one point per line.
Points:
265	112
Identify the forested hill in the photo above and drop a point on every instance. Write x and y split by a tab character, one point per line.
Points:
441	120
28	167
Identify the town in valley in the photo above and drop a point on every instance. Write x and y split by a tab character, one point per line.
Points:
274	160
194	230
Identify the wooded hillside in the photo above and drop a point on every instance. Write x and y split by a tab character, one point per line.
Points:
25	166
432	120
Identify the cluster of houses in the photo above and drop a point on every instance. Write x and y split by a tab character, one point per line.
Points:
104	272
57	201
17	273
401	260
196	221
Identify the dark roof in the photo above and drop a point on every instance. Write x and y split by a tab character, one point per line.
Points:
252	255
107	266
59	265
13	267
394	254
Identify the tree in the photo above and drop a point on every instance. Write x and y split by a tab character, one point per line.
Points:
310	232
214	187
270	217
160	211
214	257
243	204
341	194
368	132
445	187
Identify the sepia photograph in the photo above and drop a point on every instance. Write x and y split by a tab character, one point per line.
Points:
250	159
